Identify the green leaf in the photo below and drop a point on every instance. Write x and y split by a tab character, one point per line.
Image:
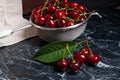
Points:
54	51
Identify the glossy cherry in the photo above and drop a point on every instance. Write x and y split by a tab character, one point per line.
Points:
74	66
63	64
50	23
39	20
69	23
35	13
48	16
65	4
80	57
64	1
93	58
74	14
62	22
51	8
74	5
85	51
60	14
82	7
82	18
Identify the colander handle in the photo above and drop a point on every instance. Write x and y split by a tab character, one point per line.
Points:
95	13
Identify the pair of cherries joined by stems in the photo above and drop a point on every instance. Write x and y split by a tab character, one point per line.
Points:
59	13
85	55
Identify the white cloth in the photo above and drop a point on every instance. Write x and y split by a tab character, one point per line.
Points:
10	18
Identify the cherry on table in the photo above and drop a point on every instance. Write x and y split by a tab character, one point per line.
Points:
74	66
62	64
80	57
85	51
93	58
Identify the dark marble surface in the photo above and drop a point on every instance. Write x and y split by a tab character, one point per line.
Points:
16	61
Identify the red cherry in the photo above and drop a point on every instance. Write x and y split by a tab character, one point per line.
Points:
70	23
51	8
50	23
40	20
60	14
82	7
50	3
64	1
74	14
93	58
62	64
85	51
54	1
65	4
74	5
74	66
57	8
48	16
35	13
82	18
80	57
62	22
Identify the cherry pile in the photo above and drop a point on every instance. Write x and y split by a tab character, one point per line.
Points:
59	13
85	55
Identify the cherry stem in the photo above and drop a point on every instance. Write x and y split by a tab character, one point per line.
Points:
81	42
44	7
86	41
63	54
83	14
69	52
68	18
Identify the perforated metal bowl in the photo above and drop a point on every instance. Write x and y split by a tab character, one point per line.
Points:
62	34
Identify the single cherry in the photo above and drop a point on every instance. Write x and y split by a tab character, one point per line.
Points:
85	51
62	22
80	57
93	58
70	23
62	64
50	23
74	66
74	5
39	20
65	4
60	14
48	16
74	14
82	7
51	8
82	18
35	13
64	1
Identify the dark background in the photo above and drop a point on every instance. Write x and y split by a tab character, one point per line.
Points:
29	5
